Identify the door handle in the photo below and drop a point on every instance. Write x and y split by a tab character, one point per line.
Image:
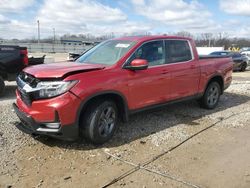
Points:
165	71
193	66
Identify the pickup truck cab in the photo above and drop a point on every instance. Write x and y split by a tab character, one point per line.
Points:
113	80
12	60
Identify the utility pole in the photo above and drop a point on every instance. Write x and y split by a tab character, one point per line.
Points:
54	33
38	31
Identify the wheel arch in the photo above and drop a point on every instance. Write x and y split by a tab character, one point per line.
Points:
117	97
218	78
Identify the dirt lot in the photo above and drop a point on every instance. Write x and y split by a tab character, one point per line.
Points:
218	157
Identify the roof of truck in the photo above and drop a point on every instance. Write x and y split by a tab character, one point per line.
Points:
151	37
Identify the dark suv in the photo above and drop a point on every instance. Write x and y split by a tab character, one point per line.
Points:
12	60
239	60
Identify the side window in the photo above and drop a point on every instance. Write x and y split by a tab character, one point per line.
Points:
153	52
177	51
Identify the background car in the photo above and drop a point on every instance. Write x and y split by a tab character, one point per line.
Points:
240	60
73	56
247	54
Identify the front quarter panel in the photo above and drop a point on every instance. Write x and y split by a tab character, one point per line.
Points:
100	81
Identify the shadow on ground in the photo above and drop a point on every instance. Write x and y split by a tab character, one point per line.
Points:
146	123
9	93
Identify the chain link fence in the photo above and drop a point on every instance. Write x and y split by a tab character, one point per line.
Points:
52	48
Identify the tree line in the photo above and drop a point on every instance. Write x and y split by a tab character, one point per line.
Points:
216	40
202	40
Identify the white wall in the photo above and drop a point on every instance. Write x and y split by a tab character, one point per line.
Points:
208	50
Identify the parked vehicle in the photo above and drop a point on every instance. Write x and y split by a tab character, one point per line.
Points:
245	49
113	80
247	54
240	61
12	60
73	56
36	60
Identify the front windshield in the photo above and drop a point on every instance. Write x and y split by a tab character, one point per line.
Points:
108	52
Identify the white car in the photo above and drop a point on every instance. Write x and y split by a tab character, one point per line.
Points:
247	54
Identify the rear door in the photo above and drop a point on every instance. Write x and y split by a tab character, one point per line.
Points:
150	86
185	70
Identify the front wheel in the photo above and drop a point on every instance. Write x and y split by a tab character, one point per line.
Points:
211	96
2	86
99	122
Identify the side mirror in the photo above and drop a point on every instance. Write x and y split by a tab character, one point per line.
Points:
138	64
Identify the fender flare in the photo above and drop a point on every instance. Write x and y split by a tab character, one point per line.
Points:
83	104
212	77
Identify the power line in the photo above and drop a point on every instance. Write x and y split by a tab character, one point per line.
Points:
38	30
54	34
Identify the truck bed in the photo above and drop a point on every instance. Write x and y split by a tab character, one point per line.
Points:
212	56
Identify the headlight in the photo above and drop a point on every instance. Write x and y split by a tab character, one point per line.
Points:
47	89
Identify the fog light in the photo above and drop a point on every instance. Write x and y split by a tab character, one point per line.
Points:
52	125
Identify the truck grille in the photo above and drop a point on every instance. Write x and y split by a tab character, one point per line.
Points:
25	97
22	80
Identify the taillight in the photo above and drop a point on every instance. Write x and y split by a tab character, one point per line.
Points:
24	54
26	60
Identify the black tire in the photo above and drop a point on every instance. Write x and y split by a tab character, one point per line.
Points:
99	122
2	87
211	96
243	67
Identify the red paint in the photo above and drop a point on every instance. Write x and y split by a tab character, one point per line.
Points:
24	54
139	63
140	88
57	70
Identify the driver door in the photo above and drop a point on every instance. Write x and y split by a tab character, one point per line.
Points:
151	86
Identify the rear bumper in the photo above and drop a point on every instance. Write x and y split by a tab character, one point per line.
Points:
29	126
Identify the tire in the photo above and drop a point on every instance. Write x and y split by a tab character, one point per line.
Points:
2	87
243	67
99	122
211	96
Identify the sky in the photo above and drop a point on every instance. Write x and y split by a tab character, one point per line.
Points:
18	18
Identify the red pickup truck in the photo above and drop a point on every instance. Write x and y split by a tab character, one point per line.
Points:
113	80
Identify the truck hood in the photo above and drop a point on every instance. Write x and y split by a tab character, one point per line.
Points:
59	70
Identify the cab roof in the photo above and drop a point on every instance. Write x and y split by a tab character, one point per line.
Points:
151	37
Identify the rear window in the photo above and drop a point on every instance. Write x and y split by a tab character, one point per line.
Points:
177	51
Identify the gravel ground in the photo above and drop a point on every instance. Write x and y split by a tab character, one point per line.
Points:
46	162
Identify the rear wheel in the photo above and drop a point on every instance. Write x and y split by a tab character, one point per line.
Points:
243	67
2	86
211	96
99	122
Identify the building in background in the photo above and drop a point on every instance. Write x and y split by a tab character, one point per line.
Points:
78	41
